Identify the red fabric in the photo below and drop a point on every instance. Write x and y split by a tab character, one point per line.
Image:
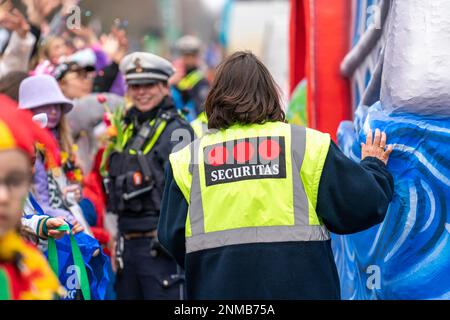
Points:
7	100
93	190
332	26
17	282
103	237
31	275
310	48
25	132
297	41
320	38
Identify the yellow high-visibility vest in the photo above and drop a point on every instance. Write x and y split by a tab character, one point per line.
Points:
200	125
190	80
252	184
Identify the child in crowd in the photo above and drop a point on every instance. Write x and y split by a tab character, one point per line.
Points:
58	193
24	272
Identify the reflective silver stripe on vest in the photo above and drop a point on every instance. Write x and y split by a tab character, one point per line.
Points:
224	238
205	129
196	215
301	231
298	145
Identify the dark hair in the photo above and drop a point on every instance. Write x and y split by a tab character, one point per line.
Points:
10	83
243	92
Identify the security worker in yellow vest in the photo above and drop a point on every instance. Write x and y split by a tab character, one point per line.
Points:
248	209
153	128
192	89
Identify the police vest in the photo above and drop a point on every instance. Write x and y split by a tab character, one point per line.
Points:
200	125
190	80
132	186
252	184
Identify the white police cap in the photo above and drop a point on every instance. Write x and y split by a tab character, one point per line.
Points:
145	68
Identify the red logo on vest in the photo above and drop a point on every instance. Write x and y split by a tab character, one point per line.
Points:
269	149
245	159
218	156
243	152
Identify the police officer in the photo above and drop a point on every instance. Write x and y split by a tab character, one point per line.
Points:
136	180
248	209
192	89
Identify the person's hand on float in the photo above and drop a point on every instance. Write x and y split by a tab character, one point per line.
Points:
375	146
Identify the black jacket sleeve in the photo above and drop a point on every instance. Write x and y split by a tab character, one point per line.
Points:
172	220
353	196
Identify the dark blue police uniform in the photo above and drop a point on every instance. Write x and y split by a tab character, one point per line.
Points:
135	185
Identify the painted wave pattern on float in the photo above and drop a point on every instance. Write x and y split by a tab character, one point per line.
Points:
407	256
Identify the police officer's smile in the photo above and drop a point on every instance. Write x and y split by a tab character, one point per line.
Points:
144	99
147	96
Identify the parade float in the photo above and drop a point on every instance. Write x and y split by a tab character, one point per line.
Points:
384	64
